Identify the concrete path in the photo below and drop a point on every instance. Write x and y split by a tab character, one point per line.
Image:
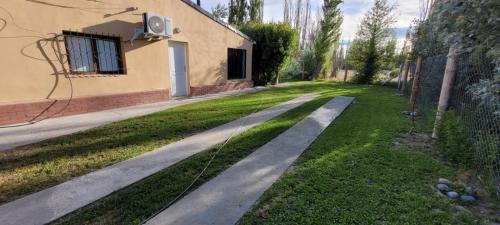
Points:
52	203
12	137
226	198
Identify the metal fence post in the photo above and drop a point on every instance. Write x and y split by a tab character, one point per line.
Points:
446	88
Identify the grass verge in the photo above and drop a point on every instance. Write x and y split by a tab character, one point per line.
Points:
353	174
133	204
35	167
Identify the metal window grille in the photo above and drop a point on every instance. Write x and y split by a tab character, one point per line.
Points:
93	53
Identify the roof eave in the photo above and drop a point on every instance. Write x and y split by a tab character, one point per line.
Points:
221	22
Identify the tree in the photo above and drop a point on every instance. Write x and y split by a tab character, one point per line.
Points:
275	44
220	11
256	10
390	58
326	41
470	25
304	41
287	11
238	12
373	37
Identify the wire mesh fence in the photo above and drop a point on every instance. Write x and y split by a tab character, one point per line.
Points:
474	100
429	88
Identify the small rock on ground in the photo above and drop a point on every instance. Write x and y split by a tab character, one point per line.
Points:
471	191
467	198
452	194
444	181
442	187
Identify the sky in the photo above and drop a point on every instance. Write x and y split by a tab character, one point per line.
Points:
353	11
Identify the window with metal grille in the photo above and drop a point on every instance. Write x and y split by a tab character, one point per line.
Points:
88	53
236	63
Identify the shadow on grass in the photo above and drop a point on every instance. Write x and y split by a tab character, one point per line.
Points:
135	203
352	174
31	168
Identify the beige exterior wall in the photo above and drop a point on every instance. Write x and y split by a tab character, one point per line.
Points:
31	71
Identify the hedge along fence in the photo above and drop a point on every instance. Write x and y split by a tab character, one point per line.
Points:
469	132
273	50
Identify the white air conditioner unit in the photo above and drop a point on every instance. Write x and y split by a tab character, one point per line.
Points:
156	26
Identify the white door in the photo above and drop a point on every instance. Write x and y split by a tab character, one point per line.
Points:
178	77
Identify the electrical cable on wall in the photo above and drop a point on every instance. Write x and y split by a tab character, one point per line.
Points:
61	60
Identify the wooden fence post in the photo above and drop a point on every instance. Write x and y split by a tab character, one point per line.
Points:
416	82
446	88
406	70
400	75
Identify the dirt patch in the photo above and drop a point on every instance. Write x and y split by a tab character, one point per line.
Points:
417	142
484	207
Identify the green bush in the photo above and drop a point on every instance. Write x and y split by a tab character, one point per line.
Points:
394	72
453	140
302	67
275	43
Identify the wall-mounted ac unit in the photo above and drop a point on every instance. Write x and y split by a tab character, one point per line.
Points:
156	26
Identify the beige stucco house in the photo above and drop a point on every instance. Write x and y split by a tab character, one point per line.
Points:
61	57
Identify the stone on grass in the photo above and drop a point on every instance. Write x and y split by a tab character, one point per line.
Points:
452	194
471	191
442	187
467	198
444	181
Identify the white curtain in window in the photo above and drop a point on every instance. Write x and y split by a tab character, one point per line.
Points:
80	54
108	56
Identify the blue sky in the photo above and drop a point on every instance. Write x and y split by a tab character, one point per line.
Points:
353	12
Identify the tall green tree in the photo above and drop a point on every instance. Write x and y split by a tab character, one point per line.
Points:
238	12
256	10
372	42
220	11
327	39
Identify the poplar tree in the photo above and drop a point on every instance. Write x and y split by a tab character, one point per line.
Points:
256	10
328	37
238	12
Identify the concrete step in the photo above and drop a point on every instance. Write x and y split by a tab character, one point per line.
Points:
226	198
52	203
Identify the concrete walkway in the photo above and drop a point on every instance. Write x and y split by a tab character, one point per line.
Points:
52	203
12	137
226	198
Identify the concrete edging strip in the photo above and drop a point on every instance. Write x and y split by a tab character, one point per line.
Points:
225	199
47	205
16	136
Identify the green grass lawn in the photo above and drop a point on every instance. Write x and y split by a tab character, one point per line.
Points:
353	174
35	167
133	204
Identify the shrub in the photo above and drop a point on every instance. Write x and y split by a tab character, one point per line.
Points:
275	43
302	67
453	140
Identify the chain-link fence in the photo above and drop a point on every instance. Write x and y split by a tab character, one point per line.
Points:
474	101
429	88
